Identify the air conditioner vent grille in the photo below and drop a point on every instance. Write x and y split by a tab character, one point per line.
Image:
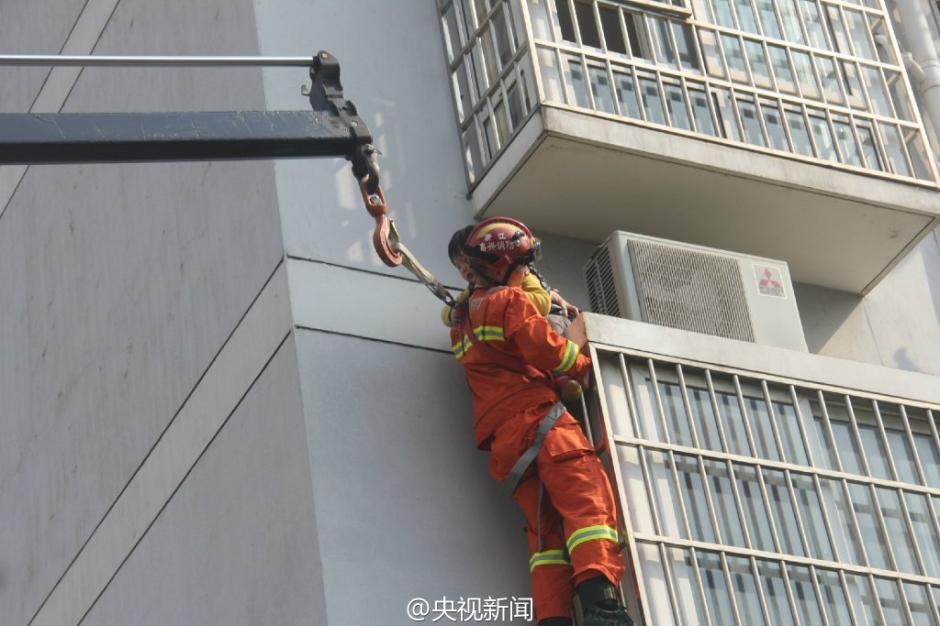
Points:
602	289
691	290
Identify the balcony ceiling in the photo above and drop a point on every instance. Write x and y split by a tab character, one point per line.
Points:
584	176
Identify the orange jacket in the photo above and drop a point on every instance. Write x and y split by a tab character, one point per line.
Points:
507	349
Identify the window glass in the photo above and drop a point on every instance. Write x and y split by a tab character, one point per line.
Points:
758	63
804	595
691	608
775	593
729	125
788	423
472	155
490	140
675	102
652	103
726	511
503	129
671	395
877	92
613	35
704	124
716	588
823	449
584	13
901	452
654	577
550	79
489	54
758	415
798	132
600	87
564	22
781	507
845	533
711	53
813	21
862	598
803	67
451	33
898	91
659	29
890	601
782	71
745	591
811	514
834	601
915	148
901	542
871	532
869	149
693	493
858	30
702	413
755	512
847	144
837	29
768	18
853	88
746	16
723	13
927	451
479	70
538	15
822	136
577	89
892	144
686	47
873	447
503	41
791	20
666	497
517	108
830	80
626	95
882	43
462	95
919	603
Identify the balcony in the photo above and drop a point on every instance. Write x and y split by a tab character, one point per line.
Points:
766	486
782	128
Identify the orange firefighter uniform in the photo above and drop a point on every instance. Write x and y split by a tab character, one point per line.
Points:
508	351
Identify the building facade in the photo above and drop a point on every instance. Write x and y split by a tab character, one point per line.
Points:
216	404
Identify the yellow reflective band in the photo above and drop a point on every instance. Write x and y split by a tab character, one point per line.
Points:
569	359
489	333
548	557
592	533
460	348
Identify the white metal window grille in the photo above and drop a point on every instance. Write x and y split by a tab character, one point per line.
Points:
817	80
756	500
491	77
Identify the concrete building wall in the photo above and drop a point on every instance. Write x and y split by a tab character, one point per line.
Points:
120	283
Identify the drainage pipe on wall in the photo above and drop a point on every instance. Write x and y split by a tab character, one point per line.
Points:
919	38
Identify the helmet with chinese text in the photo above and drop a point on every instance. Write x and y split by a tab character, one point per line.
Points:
498	245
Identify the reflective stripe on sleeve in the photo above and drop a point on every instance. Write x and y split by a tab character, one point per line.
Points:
460	348
548	557
592	533
569	358
489	333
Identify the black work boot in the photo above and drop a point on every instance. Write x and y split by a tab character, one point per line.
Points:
599	604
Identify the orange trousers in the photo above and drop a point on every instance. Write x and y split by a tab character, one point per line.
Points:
576	510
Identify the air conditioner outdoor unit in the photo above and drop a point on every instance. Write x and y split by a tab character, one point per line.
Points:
695	288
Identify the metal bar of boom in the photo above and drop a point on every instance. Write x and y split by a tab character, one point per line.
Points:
48	60
223	135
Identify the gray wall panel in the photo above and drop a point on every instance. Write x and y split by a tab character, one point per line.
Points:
31	27
393	69
237	543
120	283
404	504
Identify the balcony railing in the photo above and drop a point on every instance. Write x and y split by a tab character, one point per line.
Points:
815	80
755	497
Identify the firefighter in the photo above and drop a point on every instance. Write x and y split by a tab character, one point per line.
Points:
509	354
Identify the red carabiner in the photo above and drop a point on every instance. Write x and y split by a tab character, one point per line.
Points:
378	209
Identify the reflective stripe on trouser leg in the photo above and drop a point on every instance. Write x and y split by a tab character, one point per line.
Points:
551	572
580	491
